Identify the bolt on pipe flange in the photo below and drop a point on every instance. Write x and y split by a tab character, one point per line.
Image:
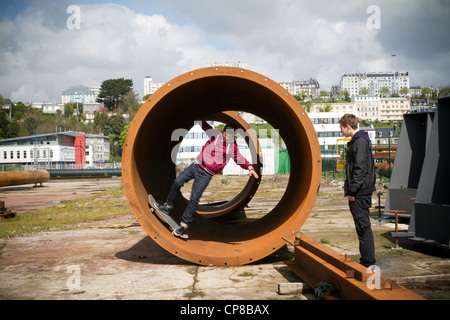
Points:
147	166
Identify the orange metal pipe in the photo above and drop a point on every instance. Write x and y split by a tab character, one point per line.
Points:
147	166
12	178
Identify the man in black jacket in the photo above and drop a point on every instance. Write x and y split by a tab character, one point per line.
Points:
359	184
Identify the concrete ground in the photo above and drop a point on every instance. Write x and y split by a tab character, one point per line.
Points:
119	260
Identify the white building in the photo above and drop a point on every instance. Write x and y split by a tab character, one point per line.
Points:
345	107
309	87
151	86
52	150
374	82
53	108
97	149
393	109
369	107
80	94
327	126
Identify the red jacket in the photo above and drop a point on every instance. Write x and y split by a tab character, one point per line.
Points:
216	153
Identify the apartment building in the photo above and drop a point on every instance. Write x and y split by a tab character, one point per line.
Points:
393	109
151	86
374	82
80	94
368	107
309	87
345	107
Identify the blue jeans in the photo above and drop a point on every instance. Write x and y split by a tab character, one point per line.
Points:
201	181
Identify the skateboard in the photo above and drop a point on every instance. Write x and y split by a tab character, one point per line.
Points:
164	216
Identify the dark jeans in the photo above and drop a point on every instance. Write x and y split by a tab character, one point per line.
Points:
360	211
201	181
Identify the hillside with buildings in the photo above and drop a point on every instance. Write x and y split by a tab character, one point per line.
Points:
81	130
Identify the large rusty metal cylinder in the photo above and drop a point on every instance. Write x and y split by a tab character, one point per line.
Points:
212	94
13	178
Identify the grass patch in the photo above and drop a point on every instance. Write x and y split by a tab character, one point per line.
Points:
79	213
324	241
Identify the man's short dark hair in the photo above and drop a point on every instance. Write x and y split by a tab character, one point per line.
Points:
349	119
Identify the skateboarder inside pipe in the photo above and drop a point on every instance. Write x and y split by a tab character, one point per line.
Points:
215	154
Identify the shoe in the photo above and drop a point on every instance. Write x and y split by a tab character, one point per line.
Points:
165	207
180	232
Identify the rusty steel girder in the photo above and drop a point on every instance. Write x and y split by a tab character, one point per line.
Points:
12	178
316	263
210	94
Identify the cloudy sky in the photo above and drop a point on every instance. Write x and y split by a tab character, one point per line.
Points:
46	48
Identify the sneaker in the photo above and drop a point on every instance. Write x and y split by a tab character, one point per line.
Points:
165	207
180	232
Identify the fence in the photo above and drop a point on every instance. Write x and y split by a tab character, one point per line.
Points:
334	159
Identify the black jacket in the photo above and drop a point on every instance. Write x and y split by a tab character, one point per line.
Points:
360	170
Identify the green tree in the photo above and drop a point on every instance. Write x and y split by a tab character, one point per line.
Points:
117	123
69	108
385	91
4	123
364	91
346	95
101	123
129	105
308	106
404	91
323	94
123	136
13	129
112	91
19	110
31	123
328	107
426	92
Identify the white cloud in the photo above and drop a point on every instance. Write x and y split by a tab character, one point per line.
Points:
377	65
28	90
282	39
113	42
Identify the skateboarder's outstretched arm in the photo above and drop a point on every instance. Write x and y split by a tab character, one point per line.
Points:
209	130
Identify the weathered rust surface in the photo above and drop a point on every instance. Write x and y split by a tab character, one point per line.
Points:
147	167
315	263
12	178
